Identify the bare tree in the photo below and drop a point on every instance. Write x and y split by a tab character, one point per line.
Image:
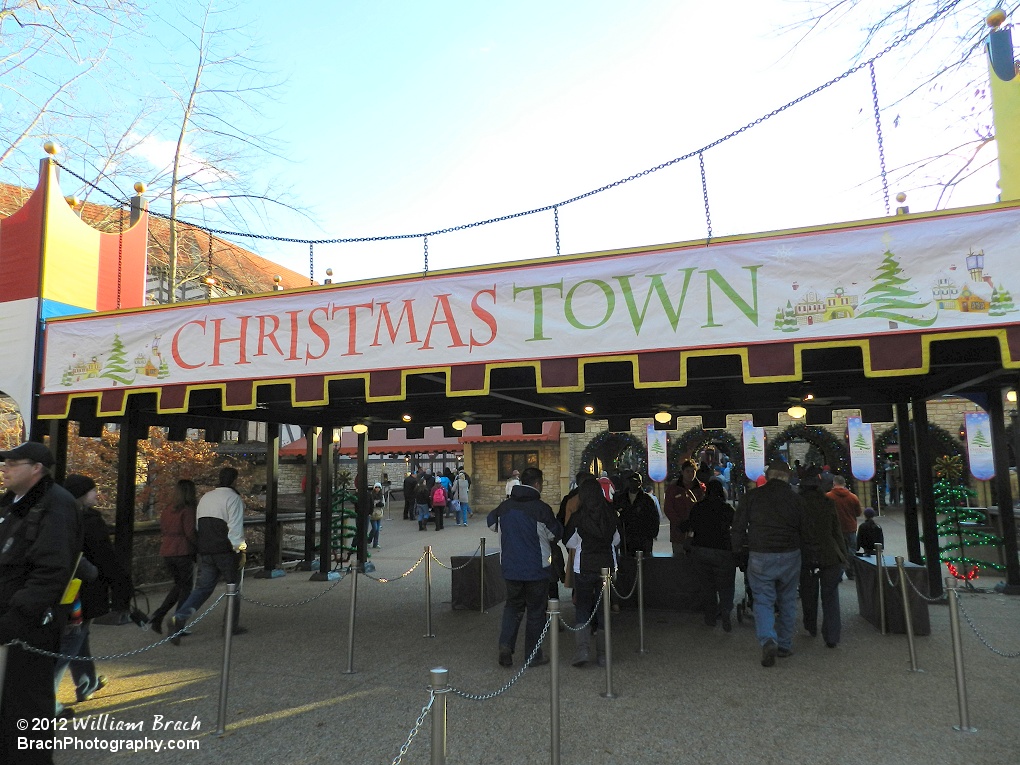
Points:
954	81
48	54
208	142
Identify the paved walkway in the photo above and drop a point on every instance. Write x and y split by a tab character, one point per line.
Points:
697	696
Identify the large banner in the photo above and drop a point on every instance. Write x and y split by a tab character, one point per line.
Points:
943	273
980	454
862	448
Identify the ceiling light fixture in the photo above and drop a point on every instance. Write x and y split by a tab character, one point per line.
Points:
459	424
796	411
406	418
589	409
360	428
663	417
1011	396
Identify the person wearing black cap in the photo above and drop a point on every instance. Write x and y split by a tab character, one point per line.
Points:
38	549
768	533
639	520
824	556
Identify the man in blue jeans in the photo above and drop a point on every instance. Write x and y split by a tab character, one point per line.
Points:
527	530
221	550
768	532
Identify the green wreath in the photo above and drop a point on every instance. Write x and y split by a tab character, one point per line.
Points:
607	447
945	443
688	442
836	453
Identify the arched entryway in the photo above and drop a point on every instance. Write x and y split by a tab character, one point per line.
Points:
691	441
834	452
614	453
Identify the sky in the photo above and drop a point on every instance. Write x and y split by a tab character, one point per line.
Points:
401	117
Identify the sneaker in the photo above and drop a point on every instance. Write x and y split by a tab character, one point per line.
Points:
539	660
86	692
156	625
830	645
175	628
506	657
768	653
784	653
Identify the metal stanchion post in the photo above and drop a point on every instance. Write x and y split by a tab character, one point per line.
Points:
221	718
353	572
440	678
481	578
428	592
3	669
607	614
880	562
961	682
905	594
641	601
553	636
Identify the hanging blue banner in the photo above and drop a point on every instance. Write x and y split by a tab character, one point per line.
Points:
658	465
862	448
754	451
979	445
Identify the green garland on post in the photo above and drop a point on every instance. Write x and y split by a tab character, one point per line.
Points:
607	447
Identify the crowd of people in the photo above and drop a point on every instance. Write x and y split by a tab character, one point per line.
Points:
793	537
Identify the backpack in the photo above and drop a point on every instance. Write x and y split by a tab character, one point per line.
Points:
438	495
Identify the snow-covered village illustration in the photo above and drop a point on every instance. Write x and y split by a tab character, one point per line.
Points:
891	296
148	362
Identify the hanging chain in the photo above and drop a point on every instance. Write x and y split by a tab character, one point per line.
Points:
210	278
426	271
591	617
556	219
984	641
120	250
417	726
409	571
633	589
878	131
311	263
299	602
704	193
455	568
509	683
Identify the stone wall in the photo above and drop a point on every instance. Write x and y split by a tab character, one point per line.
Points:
487	488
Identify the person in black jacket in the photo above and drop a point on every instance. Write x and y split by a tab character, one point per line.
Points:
824	556
768	528
38	549
711	552
869	533
111	586
639	520
592	534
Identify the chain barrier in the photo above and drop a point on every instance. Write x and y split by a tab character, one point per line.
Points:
921	595
417	727
939	13
981	637
455	568
425	272
878	131
311	263
556	220
384	580
115	656
299	602
509	683
629	594
594	611
704	193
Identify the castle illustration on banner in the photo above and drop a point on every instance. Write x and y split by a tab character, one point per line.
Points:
891	296
148	362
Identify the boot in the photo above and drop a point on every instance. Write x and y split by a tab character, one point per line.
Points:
421	525
600	647
583	653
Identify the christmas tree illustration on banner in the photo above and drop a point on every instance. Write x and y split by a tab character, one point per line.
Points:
1002	302
892	297
117	367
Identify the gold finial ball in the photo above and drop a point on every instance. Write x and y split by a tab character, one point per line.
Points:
52	148
901	197
277	279
329	272
72	201
996	18
139	187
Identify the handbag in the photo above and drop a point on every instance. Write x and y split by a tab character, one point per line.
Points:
377	513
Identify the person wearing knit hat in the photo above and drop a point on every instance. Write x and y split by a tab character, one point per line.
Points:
112	585
870	533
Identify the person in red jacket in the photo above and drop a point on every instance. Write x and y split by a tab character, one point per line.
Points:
680	498
848	507
178	546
